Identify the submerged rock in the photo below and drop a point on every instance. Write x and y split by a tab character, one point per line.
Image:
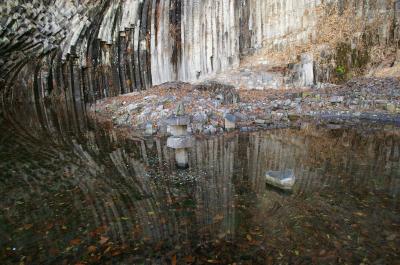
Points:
284	179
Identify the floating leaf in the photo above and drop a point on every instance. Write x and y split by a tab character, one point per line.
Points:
218	217
116	253
28	226
92	249
107	250
103	240
391	237
75	242
189	259
361	214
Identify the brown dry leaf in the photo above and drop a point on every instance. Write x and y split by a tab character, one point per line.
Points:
28	226
249	237
173	260
92	249
116	253
75	242
107	250
189	259
359	214
218	217
103	240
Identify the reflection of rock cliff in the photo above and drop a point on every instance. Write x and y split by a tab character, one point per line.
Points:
128	188
94	50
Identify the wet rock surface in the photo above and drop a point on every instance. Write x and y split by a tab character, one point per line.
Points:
371	99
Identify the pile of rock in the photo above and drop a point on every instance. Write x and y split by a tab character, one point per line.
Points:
214	108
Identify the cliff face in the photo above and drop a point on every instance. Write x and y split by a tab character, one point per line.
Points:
90	49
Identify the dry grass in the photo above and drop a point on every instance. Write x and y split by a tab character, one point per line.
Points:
333	27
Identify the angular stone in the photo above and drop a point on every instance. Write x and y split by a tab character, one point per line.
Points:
210	130
391	107
259	121
336	99
230	122
200	117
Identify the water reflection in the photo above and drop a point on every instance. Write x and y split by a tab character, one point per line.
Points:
74	192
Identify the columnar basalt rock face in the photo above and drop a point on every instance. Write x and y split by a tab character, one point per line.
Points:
92	49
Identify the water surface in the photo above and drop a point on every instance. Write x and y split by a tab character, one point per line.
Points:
73	192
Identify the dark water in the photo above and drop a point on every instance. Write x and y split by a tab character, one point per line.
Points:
75	193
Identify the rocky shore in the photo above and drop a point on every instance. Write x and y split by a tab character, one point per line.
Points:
212	106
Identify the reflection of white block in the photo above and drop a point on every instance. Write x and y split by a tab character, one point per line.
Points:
149	129
179	142
182	158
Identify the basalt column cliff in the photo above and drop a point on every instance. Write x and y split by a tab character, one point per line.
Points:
92	49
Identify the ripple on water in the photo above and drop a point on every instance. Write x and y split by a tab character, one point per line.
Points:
73	192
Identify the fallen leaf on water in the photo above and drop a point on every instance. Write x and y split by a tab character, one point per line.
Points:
103	240
359	214
391	237
213	261
173	260
28	226
116	253
218	217
249	237
92	249
189	259
75	241
107	250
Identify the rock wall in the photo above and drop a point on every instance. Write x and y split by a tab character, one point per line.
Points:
92	49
